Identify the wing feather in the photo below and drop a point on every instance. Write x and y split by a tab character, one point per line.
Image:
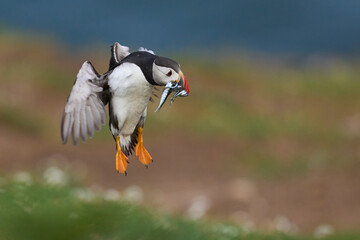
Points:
66	124
96	114
84	110
118	53
89	122
83	125
76	127
100	108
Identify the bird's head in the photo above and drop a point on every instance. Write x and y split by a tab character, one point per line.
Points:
167	72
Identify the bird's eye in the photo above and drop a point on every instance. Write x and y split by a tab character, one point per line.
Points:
169	73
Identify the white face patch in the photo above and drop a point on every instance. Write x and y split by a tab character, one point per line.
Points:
163	75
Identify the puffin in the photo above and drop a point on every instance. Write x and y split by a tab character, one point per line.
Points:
127	87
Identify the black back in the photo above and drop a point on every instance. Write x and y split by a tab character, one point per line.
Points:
144	60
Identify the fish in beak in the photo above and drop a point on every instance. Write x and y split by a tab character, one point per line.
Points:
180	87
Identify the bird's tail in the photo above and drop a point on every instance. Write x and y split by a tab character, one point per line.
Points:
128	143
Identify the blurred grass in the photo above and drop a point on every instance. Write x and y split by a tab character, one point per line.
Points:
19	119
36	210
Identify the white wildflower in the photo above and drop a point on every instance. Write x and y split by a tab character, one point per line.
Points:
198	207
227	231
23	177
323	231
134	194
55	176
284	225
112	195
84	194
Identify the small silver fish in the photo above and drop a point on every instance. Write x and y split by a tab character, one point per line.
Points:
169	88
181	93
164	96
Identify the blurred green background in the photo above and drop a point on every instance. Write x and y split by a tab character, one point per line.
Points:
265	147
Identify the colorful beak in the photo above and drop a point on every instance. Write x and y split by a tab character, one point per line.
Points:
184	83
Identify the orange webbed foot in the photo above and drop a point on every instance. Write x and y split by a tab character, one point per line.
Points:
121	158
141	153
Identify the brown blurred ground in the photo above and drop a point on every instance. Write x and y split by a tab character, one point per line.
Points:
187	165
192	168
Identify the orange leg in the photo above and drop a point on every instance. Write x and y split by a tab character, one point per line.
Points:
140	151
121	159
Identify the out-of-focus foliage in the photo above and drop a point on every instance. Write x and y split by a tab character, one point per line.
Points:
32	208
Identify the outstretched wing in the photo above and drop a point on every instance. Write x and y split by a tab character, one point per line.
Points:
84	110
118	53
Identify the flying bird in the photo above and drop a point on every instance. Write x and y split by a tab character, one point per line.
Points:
127	87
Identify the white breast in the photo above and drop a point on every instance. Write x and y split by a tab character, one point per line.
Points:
130	95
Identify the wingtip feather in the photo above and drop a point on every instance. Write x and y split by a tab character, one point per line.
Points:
64	130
